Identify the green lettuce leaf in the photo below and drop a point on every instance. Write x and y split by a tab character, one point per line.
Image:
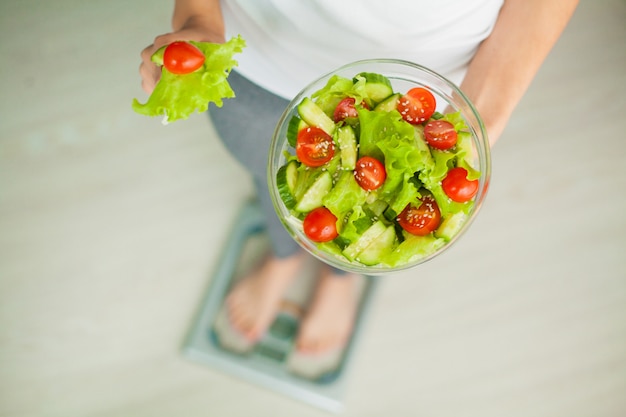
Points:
384	135
456	119
379	127
176	97
345	195
336	89
407	192
444	160
354	224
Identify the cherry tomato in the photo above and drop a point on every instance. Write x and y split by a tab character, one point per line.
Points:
369	173
345	109
182	58
320	225
440	134
314	147
420	220
458	187
417	105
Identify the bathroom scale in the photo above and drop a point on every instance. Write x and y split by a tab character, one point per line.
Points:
271	362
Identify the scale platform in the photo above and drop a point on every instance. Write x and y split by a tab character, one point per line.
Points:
271	362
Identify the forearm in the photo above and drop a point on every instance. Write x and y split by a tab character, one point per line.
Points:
205	13
506	62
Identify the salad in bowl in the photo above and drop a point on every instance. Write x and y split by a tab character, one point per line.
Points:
378	166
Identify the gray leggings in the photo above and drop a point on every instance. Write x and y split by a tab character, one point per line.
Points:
245	125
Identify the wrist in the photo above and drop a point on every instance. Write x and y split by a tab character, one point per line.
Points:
495	122
204	28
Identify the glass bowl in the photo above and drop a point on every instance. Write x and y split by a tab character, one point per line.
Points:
403	76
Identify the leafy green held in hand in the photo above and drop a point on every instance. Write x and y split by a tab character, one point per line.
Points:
177	96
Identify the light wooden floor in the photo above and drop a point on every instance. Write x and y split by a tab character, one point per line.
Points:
111	224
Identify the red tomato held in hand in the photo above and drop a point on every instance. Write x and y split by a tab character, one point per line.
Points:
417	105
420	220
314	147
458	187
369	173
182	58
440	134
320	225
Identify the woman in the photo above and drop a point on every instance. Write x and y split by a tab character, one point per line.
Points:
491	48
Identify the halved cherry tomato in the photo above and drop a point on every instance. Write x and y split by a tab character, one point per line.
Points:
440	134
345	109
458	187
320	225
369	173
314	147
182	58
417	105
420	220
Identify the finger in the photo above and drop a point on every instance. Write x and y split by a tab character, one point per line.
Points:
146	54
159	41
165	39
150	75
148	70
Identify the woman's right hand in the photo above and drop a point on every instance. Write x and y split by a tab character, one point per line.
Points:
190	31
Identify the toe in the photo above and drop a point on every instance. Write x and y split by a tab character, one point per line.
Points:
242	323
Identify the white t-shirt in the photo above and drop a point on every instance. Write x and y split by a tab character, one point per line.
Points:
292	42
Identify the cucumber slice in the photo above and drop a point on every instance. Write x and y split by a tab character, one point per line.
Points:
333	166
313	115
413	247
295	125
377	87
330	247
422	146
379	248
306	177
313	197
389	104
286	179
370	235
390	214
378	207
450	226
347	146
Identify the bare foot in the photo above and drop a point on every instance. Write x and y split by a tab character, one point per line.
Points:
330	318
253	303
